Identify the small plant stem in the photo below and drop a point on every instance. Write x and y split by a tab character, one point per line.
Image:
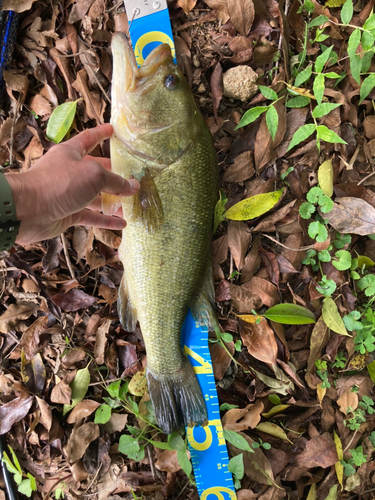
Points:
365	178
66	254
350	442
302	249
55	484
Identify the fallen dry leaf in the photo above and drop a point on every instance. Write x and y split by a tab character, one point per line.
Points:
13	315
352	215
260	341
13	412
320	451
240	420
73	300
80	440
82	410
241	13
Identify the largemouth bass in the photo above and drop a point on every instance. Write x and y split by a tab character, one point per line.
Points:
161	139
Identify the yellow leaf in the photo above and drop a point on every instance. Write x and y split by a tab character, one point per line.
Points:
312	492
274	410
332	318
339	468
365	261
321	391
325	177
303	92
250	318
253	207
334	3
371	370
273	430
138	384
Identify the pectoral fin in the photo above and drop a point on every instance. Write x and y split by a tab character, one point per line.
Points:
110	203
126	311
147	203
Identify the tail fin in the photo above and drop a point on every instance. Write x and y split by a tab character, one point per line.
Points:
177	399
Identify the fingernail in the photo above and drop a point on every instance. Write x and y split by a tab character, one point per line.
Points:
134	184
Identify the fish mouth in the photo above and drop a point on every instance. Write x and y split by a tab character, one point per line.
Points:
126	74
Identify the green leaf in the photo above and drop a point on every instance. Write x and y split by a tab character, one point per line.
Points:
370	23
298	102
227	406
367	40
219	215
344	262
60	121
113	389
176	442
251	115
326	287
318	21
366	62
324	108
272	120
25	488
303	77
332	318
332	75
236	466
322	59
128	445
184	461
325	203
237	440
324	256
15	459
79	388
367	283
342	240
290	314
301	134
325	176
318	87
356	67
103	414
367	85
347	12
160	445
268	93
274	398
353	42
254	207
314	194
328	135
11	468
318	231
227	337
350	321
306	210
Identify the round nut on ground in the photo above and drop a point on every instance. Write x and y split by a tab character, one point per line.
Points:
239	83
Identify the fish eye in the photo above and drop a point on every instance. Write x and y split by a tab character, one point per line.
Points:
171	81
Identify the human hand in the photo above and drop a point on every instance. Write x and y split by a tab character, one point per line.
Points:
62	187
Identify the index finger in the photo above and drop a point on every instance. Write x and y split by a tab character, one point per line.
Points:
86	141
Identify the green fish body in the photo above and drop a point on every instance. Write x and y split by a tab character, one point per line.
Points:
161	139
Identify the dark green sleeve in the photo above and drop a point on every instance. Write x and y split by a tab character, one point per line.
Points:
9	224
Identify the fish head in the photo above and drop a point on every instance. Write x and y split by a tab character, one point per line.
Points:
153	110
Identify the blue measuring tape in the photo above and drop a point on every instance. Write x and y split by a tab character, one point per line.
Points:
207	446
149	26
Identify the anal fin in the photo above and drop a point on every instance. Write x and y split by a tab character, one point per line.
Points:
203	307
147	203
126	311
